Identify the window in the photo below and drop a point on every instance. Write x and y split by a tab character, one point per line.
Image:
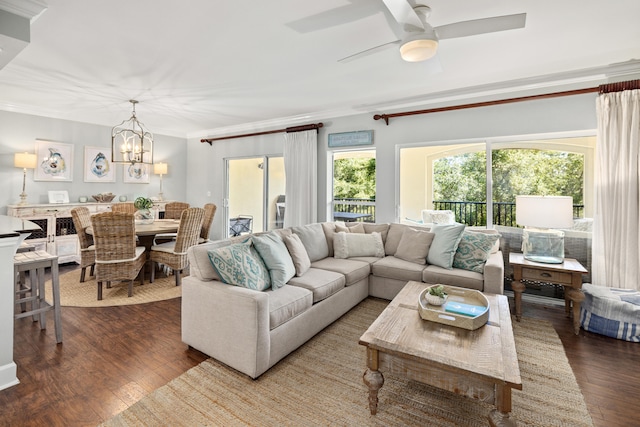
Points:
354	185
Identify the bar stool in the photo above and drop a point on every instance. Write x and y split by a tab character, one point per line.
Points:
35	262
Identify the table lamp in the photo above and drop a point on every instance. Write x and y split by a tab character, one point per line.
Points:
540	216
24	161
160	169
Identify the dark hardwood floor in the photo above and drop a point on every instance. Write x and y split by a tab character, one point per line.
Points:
112	357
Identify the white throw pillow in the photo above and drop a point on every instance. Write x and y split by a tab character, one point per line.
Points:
347	245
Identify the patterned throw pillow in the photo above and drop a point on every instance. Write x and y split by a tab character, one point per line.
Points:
473	250
240	265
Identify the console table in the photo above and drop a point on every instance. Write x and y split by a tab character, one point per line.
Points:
568	274
58	234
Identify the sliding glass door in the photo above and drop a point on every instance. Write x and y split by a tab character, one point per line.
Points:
254	187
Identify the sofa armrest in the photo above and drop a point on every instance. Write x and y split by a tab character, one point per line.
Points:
494	274
228	323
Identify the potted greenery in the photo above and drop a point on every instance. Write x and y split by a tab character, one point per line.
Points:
144	214
436	295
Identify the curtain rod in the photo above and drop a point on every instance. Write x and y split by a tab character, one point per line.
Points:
386	117
300	128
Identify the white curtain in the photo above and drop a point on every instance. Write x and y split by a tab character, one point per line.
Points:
616	233
301	172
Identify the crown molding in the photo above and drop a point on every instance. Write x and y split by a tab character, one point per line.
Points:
30	9
575	79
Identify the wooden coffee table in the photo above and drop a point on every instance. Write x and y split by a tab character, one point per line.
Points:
480	364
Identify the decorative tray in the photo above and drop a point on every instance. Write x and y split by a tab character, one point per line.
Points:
459	300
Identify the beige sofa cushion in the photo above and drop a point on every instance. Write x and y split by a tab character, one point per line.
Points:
414	246
286	303
383	229
322	283
298	253
353	271
453	277
396	268
347	245
314	240
393	238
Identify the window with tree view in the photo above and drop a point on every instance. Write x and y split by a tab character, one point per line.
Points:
354	185
454	177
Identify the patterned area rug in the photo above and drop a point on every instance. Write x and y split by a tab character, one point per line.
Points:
76	294
321	384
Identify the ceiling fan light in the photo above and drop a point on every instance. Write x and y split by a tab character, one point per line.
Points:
418	49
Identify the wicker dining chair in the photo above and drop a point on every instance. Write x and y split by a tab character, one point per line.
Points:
118	259
209	213
173	210
81	220
126	207
174	254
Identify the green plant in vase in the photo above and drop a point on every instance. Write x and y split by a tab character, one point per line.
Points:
436	295
144	214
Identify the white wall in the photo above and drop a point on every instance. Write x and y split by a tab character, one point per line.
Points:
546	116
18	133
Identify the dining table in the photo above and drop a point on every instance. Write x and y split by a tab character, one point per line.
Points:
349	216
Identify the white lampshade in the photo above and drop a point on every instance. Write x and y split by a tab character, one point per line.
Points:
544	211
420	45
160	168
25	160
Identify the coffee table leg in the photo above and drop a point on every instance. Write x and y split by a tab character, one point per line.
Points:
499	417
374	380
518	288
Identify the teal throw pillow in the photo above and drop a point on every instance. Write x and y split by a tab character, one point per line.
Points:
240	265
473	250
445	243
276	257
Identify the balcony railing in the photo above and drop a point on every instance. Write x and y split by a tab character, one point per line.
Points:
468	213
475	213
360	206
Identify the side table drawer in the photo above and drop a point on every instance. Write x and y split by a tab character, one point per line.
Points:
546	276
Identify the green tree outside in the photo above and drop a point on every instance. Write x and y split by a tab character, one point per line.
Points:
354	178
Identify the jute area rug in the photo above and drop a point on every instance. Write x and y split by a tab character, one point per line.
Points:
321	384
85	294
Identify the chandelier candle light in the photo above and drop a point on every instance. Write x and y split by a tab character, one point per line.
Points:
24	161
130	142
541	216
160	169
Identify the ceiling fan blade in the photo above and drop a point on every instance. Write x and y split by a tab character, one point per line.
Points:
481	26
368	51
358	9
403	12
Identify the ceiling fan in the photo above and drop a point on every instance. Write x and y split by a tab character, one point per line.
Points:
417	39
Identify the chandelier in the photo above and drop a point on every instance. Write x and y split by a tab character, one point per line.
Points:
130	142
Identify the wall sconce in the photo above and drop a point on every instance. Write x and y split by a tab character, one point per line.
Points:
160	169
540	215
24	161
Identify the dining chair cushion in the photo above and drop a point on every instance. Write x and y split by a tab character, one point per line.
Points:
276	257
139	252
168	247
240	264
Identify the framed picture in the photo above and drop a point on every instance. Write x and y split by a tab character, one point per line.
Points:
136	173
55	161
98	166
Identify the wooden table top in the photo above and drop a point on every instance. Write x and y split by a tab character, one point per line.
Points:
158	226
569	264
488	352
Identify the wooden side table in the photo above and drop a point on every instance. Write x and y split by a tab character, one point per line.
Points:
568	274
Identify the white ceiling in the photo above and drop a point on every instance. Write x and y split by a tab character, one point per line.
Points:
204	67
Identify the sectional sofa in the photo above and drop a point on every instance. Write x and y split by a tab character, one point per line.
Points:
251	300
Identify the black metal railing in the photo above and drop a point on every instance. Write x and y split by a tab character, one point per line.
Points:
358	206
475	213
